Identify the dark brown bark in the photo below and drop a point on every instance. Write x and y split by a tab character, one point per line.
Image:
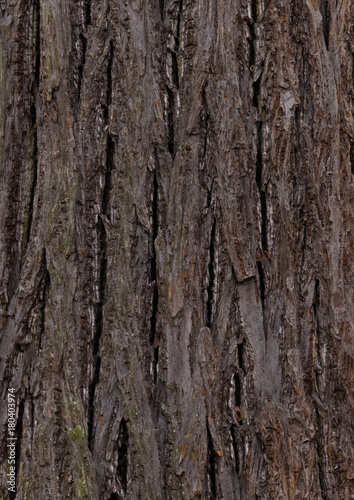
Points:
177	248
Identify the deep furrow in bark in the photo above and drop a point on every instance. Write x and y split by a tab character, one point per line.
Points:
103	220
326	20
43	306
153	273
175	76
351	157
170	121
240	355
235	449
88	12
83	44
205	123
256	97
33	113
238	390
81	65
254	10
251	45
211	275
162	8
212	465
123	444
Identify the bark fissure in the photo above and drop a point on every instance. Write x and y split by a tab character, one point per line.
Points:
326	21
259	181
240	355
238	390
170	121
352	157
162	8
212	465
262	289
123	444
33	113
175	76
153	273
103	220
211	275
235	449
83	44
205	121
45	293
81	66
88	12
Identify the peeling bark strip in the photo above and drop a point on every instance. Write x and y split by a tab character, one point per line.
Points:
158	349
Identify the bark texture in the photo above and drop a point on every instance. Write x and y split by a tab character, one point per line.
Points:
177	248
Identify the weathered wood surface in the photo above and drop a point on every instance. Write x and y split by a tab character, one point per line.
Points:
177	248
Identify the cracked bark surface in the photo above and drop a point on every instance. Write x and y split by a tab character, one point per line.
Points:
176	245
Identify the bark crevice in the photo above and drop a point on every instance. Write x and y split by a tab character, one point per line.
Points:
153	273
211	277
45	293
170	121
123	444
33	114
326	21
102	223
235	449
212	465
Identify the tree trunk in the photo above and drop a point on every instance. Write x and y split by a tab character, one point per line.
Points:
177	249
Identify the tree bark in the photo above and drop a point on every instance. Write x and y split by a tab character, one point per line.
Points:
177	248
